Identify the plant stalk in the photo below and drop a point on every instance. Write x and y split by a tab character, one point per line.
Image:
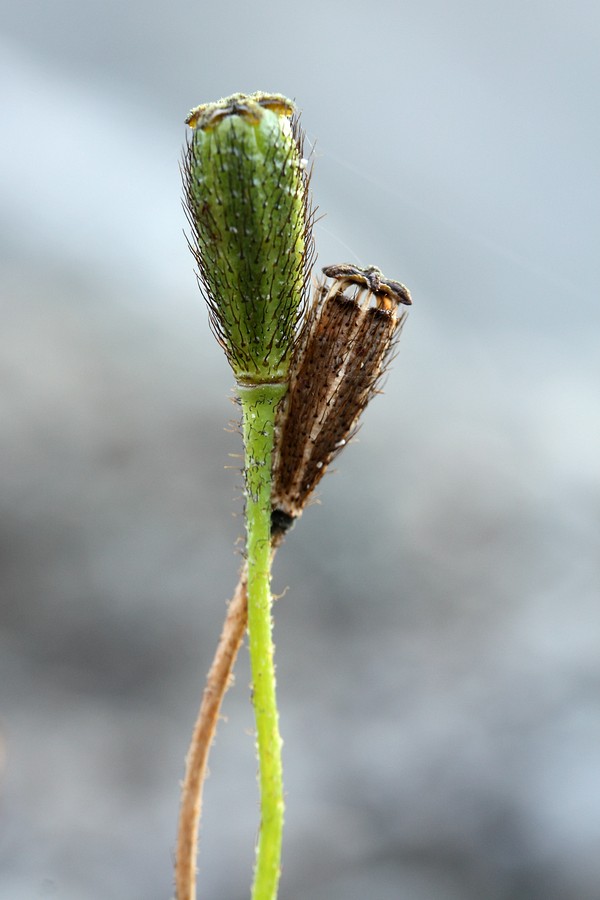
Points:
217	681
259	403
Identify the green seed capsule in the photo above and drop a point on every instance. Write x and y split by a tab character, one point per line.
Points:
246	195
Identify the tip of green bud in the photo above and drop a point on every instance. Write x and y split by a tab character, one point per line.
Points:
207	115
247	201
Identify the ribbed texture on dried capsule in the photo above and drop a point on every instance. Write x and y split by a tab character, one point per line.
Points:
344	349
247	201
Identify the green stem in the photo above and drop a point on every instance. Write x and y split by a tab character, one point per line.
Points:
259	403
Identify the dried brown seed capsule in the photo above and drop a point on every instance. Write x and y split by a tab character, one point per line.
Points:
345	345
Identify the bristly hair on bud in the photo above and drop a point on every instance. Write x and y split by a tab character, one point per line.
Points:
346	343
246	195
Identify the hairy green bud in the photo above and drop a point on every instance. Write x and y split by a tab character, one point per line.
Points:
247	201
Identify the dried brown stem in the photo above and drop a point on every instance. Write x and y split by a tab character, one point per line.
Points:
217	682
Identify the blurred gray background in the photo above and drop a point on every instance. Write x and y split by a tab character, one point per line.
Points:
438	645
